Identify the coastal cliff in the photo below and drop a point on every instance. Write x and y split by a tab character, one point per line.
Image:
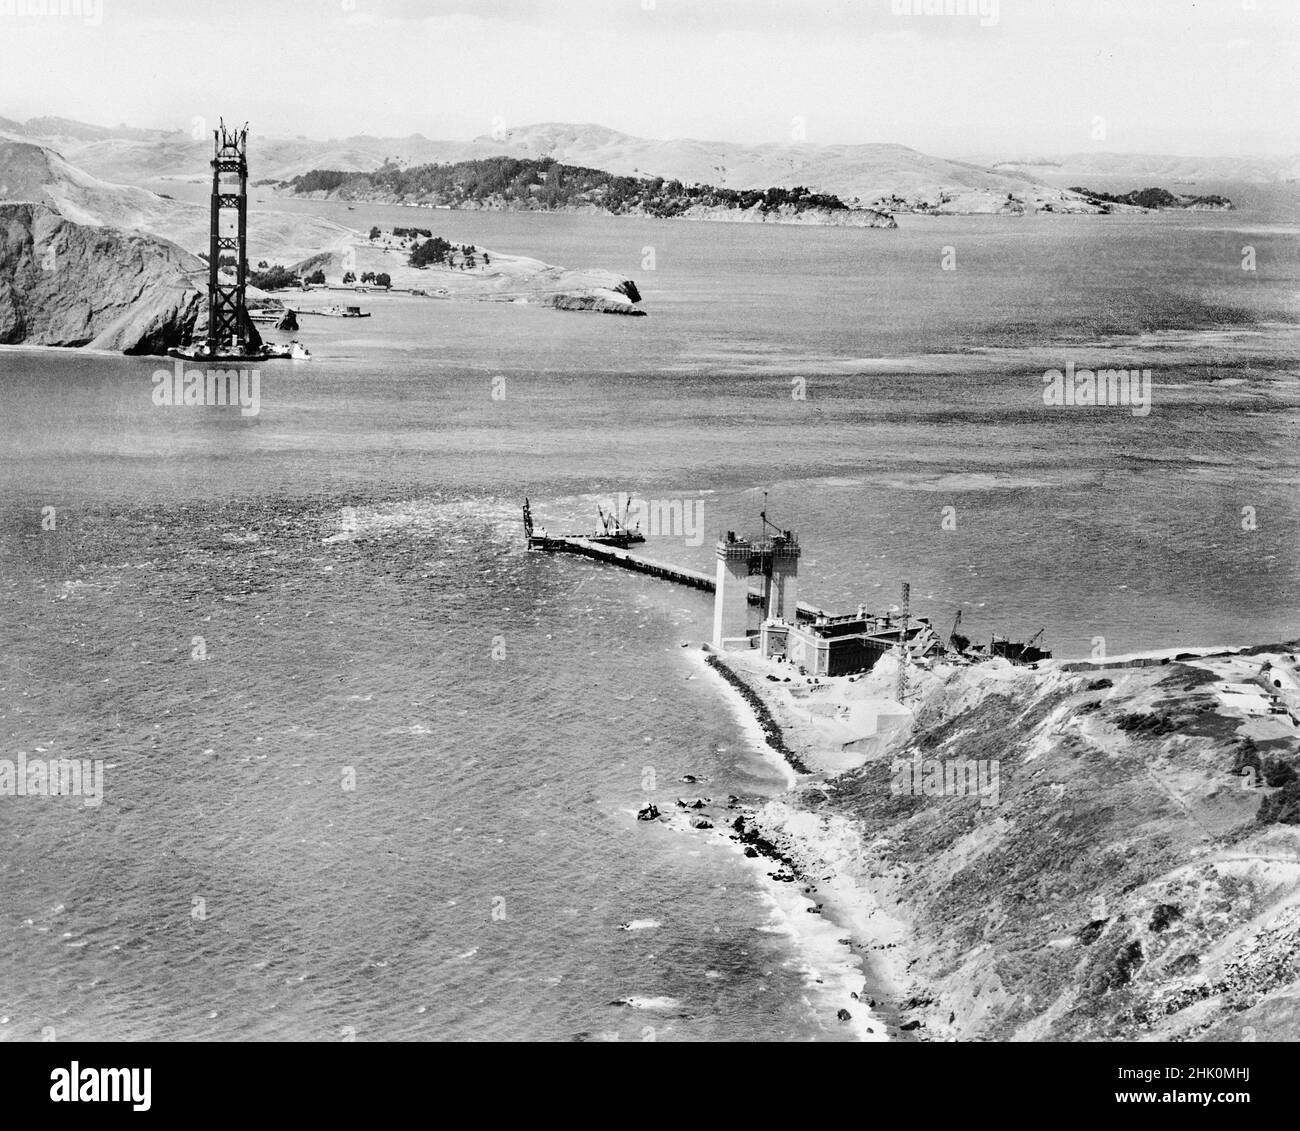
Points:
1116	857
69	284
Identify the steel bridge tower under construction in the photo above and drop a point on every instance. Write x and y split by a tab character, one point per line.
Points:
230	329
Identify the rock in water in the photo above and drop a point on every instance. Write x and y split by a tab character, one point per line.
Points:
844	1015
597	301
67	284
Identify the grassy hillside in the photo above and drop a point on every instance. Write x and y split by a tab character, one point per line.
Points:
1137	875
1156	198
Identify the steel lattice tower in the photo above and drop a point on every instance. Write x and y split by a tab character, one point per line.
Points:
904	649
230	330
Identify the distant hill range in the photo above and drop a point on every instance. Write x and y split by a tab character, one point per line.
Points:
49	127
1152	168
857	174
892	177
36	173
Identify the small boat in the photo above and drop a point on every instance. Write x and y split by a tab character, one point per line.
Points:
342	312
268	351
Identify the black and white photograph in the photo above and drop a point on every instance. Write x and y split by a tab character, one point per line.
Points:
658	521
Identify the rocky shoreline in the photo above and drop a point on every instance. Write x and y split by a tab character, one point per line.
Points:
870	1010
772	732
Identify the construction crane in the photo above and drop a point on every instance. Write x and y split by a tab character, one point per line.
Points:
766	521
612	523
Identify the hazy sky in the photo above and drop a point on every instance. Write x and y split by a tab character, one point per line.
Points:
1013	76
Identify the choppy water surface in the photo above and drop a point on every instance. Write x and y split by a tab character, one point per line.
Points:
348	560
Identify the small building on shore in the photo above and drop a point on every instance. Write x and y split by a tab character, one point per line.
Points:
844	645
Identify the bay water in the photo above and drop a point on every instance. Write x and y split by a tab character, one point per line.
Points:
371	769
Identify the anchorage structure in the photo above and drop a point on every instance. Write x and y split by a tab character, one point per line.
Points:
815	642
774	556
230	330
